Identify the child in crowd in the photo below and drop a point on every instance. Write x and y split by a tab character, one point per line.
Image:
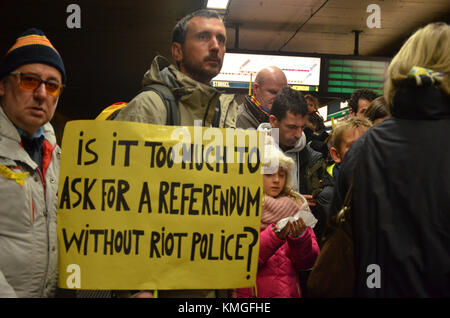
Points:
342	137
284	251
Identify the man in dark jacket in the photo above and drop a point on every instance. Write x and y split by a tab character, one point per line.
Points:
401	191
288	118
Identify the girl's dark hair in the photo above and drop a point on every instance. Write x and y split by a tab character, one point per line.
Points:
378	109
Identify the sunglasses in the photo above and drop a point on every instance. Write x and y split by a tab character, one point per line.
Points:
29	82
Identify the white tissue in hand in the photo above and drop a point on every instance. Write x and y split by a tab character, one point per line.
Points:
307	217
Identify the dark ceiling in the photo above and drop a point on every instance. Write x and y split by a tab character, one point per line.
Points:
106	58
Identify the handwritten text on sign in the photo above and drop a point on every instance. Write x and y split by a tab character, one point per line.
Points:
156	207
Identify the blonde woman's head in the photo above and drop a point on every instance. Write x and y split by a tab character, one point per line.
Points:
429	48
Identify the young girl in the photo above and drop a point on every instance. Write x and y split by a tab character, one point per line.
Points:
281	253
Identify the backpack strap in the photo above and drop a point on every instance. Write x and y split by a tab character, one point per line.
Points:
217	113
169	100
166	95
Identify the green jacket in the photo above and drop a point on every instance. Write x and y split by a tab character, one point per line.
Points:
196	101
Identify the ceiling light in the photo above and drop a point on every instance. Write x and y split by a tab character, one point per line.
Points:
217	4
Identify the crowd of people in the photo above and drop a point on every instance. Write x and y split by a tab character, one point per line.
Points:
391	149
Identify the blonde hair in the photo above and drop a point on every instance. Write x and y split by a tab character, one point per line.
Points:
428	47
275	159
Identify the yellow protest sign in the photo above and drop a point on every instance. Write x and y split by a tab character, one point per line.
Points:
158	207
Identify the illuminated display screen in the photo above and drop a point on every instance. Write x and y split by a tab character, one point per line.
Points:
347	75
240	69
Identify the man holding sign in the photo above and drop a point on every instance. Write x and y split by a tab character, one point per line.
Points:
198	47
132	218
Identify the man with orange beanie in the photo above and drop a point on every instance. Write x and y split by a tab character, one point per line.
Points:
32	76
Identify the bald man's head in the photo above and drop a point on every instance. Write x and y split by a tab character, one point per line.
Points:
268	82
